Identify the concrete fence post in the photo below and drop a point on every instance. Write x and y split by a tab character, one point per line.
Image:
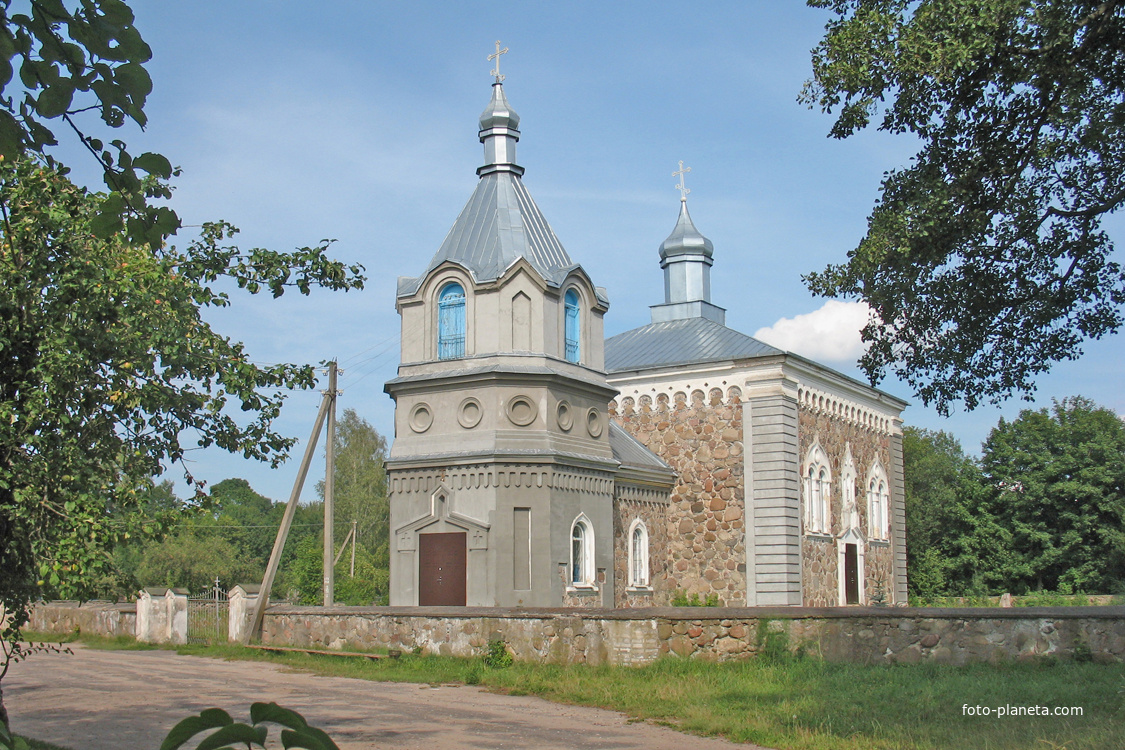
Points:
144	616
177	615
243	601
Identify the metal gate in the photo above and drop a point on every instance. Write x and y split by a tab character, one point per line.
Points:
207	616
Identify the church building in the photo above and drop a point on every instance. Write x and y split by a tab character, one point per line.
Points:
537	464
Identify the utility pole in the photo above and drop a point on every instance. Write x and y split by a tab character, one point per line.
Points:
329	490
286	522
352	575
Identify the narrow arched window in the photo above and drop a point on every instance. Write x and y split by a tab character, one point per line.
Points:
578	554
573	337
818	491
878	504
451	322
638	555
581	553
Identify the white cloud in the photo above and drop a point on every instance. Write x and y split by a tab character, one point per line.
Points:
829	334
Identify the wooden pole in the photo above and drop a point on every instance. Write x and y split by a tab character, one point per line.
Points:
330	492
286	522
343	547
352	574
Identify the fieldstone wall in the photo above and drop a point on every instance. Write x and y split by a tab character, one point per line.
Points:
639	636
821	571
654	517
102	618
836	432
879	564
700	436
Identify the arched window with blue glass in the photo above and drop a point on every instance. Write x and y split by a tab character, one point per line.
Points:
573	327
451	322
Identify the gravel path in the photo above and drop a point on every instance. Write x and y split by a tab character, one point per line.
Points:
107	700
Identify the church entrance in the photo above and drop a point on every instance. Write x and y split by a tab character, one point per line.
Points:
441	569
851	574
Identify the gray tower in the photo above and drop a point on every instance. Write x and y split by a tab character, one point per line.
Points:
686	257
501	471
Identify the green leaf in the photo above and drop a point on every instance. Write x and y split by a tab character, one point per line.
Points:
260	712
309	738
133	79
55	100
209	718
234	733
154	164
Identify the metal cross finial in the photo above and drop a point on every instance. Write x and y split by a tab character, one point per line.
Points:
496	71
680	173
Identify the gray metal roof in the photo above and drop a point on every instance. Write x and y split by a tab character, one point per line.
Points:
677	342
630	452
501	223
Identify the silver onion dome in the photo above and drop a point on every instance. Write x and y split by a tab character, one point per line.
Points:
685	239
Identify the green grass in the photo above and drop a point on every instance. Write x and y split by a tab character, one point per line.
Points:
789	703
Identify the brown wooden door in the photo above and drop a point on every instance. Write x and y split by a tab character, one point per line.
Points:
441	570
851	573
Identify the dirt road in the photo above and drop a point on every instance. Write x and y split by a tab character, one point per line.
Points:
107	700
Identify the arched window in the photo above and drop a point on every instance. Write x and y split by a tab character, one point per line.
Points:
573	336
451	322
818	491
638	555
878	504
581	553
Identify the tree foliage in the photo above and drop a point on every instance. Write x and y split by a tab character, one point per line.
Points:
360	491
61	67
370	584
985	260
1057	488
1043	509
107	366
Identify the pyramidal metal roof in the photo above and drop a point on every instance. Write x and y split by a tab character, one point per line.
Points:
499	225
677	342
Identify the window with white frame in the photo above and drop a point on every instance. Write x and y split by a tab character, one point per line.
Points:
878	504
581	553
638	554
818	491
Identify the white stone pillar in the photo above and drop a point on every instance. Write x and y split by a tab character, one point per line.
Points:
144	617
243	601
177	615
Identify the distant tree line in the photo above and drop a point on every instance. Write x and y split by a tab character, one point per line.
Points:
230	536
1042	509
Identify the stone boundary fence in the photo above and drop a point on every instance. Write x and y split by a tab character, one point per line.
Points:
635	636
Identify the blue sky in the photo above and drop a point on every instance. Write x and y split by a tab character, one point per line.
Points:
357	122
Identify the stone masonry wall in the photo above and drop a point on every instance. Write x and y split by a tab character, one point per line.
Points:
654	516
639	636
836	433
633	637
700	436
102	618
821	565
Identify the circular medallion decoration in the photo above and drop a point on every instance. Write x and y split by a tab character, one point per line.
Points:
421	417
522	411
594	423
565	416
469	413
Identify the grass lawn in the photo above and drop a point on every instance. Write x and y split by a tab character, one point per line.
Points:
788	703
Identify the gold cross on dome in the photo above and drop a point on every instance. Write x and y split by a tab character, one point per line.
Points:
680	173
496	71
